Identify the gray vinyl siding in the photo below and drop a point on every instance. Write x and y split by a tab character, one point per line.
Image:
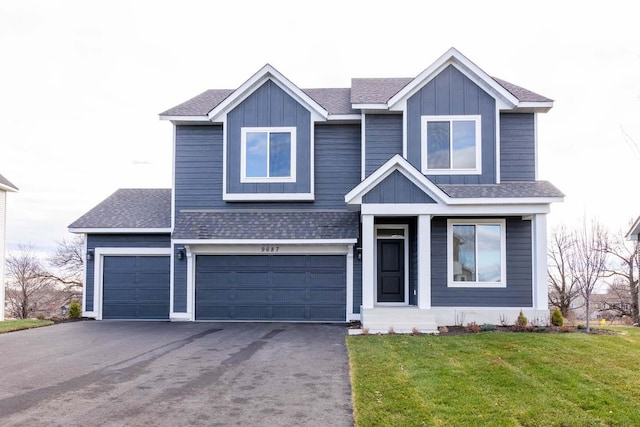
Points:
269	106
396	188
517	147
452	93
518	292
118	241
198	173
383	139
179	282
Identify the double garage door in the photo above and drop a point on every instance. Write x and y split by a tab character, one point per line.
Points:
230	287
271	287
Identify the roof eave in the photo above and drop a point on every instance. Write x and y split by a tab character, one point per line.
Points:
114	230
634	231
8	188
185	118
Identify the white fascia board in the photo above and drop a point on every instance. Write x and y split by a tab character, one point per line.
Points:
506	201
369	106
185	118
390	209
304	242
105	251
399	163
262	197
119	230
634	231
534	107
8	188
344	117
466	67
268	73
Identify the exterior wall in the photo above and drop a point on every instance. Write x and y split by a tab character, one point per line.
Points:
517	147
383	139
198	169
269	106
179	282
118	241
452	93
357	284
3	229
519	252
396	188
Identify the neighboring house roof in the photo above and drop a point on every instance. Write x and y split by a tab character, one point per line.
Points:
634	231
503	190
6	185
266	224
129	209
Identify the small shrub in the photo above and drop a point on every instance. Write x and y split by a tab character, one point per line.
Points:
556	318
365	331
521	323
415	331
566	328
392	331
581	327
40	315
487	327
473	327
75	311
443	329
504	320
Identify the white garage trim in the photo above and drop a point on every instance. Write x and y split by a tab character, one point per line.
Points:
100	253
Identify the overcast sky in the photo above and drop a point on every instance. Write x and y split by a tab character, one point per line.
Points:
82	83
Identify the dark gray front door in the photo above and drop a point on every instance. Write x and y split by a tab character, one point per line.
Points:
135	287
390	270
271	287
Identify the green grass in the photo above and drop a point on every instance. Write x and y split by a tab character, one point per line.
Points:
18	325
496	379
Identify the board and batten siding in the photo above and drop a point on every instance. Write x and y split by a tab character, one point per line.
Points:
269	106
452	93
118	241
383	139
396	188
198	169
518	292
517	147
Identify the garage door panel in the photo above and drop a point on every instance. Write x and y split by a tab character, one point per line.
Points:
135	287
271	287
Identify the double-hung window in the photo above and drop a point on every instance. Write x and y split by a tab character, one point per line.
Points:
268	154
451	145
476	253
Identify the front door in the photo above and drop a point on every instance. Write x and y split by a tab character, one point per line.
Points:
391	270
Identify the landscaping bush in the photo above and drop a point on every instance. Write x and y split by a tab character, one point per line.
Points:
473	327
556	318
40	315
75	311
487	327
521	323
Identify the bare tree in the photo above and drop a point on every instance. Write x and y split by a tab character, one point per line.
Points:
67	267
626	262
28	286
589	263
563	286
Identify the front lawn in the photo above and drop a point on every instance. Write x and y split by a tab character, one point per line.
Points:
18	325
496	379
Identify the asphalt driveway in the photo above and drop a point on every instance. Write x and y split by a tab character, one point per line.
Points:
175	374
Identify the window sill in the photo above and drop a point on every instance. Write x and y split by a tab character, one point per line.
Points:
268	197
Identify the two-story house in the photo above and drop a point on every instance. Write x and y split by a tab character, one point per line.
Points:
5	187
400	202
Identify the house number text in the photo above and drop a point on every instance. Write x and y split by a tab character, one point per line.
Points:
270	249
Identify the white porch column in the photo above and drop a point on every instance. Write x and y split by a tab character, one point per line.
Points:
540	289
424	261
368	264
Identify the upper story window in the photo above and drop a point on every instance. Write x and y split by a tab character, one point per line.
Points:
476	253
451	145
268	154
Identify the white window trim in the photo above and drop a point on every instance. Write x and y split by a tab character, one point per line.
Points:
243	153
451	171
405	238
503	256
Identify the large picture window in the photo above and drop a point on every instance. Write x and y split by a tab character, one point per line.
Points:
268	154
451	145
476	253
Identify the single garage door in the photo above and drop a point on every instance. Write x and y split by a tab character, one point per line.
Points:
271	287
135	287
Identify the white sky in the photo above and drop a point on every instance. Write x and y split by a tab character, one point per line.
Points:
82	83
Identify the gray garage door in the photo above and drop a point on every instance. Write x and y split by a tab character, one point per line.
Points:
271	287
135	287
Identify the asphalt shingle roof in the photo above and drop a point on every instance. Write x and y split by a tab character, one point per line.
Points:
266	224
6	183
376	91
523	95
130	208
509	190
